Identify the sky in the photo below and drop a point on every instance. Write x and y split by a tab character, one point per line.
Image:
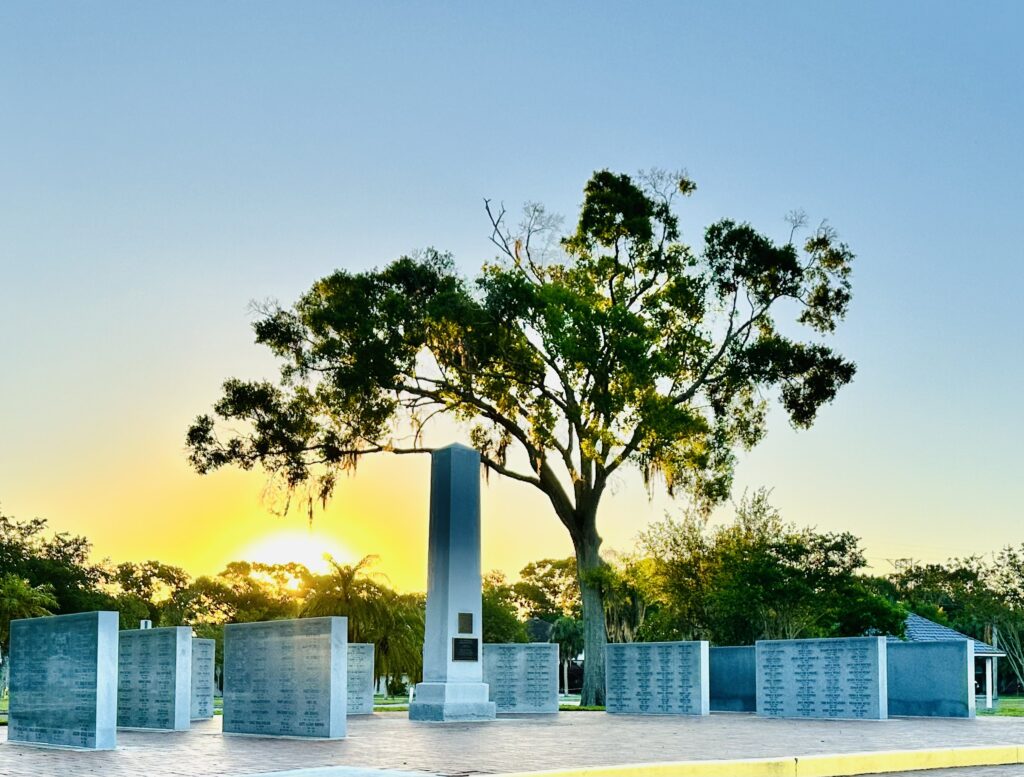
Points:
164	165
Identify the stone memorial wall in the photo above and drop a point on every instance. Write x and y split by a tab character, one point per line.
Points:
522	677
360	678
822	678
154	678
931	679
204	654
63	681
733	679
286	678
657	678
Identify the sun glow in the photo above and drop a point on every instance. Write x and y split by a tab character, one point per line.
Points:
309	548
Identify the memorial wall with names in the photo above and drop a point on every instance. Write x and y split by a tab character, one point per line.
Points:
204	652
822	678
360	678
286	678
657	678
522	677
154	678
63	680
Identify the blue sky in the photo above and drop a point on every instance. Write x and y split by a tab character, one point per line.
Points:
161	165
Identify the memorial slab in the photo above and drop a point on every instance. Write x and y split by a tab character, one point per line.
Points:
522	678
822	678
657	678
733	679
154	678
286	678
63	681
204	655
453	688
931	679
360	678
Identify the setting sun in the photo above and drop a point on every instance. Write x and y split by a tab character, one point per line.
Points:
309	548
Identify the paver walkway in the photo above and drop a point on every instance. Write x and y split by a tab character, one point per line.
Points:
391	741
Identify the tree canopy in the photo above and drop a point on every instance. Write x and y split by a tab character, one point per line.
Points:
500	620
570	357
58	560
760	578
548	589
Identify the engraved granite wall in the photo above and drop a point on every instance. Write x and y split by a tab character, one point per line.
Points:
63	681
931	679
204	653
360	678
657	678
522	677
733	679
154	678
822	678
286	678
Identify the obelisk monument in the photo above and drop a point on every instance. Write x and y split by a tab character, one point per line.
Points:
453	688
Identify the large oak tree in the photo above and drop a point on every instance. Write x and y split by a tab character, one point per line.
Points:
569	358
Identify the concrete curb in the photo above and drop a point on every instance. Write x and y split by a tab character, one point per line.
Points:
835	765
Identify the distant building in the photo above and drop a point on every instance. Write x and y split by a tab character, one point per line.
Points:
918	629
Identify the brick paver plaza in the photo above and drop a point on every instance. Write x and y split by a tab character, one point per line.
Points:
390	741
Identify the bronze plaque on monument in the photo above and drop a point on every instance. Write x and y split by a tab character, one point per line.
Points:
465	649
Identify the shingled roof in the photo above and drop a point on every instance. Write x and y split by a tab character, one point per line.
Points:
920	629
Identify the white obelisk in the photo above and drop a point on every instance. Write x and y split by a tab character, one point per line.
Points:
453	687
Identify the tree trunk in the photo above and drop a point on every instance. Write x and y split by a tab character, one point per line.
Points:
588	562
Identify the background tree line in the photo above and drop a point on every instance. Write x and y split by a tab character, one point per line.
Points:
755	577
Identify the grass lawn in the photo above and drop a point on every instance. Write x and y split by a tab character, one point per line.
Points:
1006	706
378	699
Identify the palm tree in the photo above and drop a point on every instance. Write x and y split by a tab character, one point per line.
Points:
399	645
393	622
348	590
20	599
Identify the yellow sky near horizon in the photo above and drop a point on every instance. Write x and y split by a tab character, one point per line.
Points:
135	498
200	523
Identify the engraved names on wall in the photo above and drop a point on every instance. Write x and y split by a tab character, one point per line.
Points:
360	678
154	678
286	678
657	678
63	681
522	677
203	678
822	678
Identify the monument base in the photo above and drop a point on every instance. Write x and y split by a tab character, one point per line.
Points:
451	702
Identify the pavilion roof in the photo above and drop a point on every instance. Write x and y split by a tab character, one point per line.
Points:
920	629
